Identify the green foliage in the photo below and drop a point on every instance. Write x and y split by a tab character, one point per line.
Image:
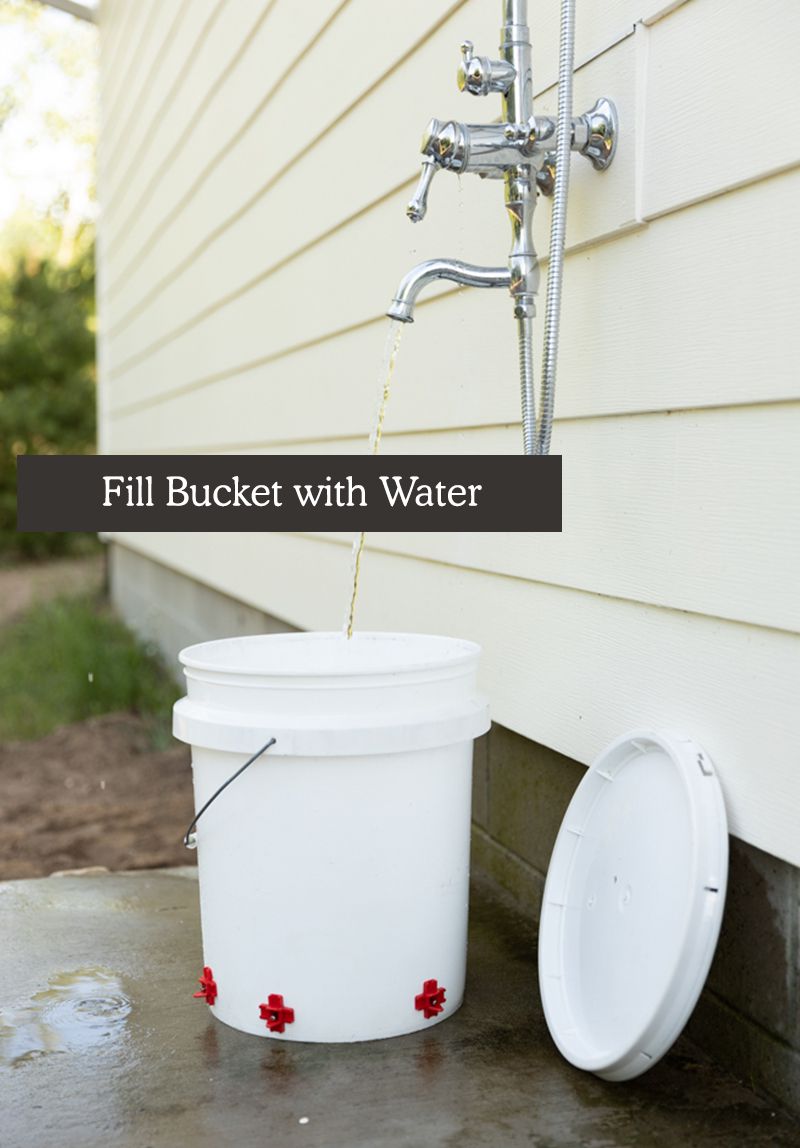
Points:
48	118
47	380
71	659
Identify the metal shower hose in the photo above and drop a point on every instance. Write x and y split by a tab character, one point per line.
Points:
537	435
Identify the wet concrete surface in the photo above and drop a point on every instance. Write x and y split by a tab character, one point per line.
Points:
102	1043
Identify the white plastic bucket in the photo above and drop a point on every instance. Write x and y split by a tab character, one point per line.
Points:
334	872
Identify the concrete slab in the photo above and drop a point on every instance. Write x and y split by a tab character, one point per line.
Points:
102	1043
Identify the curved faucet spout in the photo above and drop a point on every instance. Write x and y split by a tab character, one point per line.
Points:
418	278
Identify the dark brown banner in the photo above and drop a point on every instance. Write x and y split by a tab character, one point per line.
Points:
283	492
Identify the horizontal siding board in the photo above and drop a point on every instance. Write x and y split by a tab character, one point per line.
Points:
205	78
117	18
124	127
294	211
597	26
136	49
269	142
659	11
715	66
639	331
654	510
128	150
197	132
600	205
214	100
568	669
194	195
112	17
333	285
276	44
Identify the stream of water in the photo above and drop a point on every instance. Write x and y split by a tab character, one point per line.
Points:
388	364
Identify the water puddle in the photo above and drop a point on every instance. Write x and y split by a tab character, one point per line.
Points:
77	1011
388	364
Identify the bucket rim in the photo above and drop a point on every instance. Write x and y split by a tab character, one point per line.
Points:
453	652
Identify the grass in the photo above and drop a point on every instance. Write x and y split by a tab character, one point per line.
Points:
72	545
71	659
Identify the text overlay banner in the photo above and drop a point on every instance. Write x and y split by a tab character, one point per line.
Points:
280	492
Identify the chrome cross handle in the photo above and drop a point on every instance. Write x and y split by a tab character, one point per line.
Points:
479	75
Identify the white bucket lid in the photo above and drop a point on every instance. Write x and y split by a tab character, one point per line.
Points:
633	903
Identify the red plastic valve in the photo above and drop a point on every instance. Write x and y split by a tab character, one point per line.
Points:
208	986
431	1000
276	1013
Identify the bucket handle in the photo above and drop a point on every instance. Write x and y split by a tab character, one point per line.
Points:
190	837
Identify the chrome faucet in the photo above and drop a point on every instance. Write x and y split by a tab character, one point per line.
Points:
521	151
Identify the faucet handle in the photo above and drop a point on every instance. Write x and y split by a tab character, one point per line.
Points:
480	76
418	206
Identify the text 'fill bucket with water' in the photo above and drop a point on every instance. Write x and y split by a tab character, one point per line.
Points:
334	871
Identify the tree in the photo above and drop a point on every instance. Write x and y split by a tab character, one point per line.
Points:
47	380
47	342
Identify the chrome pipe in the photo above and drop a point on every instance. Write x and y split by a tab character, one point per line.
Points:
419	277
520	178
515	49
515	12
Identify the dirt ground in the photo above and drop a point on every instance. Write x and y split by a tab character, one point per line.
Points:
21	586
91	794
94	793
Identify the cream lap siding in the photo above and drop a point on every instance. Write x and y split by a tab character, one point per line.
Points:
652	288
256	160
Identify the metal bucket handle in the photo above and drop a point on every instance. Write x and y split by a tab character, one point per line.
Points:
190	837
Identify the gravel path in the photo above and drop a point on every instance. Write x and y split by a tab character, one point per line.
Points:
20	586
